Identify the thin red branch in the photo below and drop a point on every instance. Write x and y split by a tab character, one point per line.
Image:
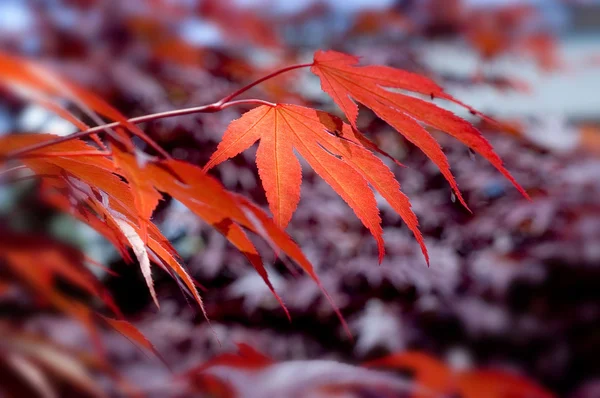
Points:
217	106
246	102
136	120
262	79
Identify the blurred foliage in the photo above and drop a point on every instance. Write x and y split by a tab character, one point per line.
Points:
512	285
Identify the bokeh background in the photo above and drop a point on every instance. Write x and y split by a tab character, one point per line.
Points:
513	285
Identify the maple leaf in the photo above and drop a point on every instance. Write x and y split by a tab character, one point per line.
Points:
246	358
111	208
36	361
332	148
346	82
228	375
31	80
230	214
428	371
145	196
436	378
430	377
39	270
51	260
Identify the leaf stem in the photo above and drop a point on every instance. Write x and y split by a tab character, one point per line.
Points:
262	79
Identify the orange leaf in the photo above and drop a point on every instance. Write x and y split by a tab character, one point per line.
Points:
49	260
210	201
498	384
145	196
261	224
25	75
333	149
228	213
132	333
40	84
279	169
345	82
118	209
433	377
246	358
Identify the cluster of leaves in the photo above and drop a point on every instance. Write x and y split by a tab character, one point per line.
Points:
36	280
491	31
497	294
405	374
516	30
335	150
114	187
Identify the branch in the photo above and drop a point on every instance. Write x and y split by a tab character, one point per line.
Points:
217	106
262	79
211	108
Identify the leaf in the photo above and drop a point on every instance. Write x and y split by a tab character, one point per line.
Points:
39	268
139	248
40	83
133	334
346	82
119	211
53	359
437	379
210	201
31	373
145	196
67	150
279	169
332	148
433	377
246	358
229	213
35	82
498	384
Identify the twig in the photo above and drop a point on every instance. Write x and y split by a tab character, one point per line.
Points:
217	106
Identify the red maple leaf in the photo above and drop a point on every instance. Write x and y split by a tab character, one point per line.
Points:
345	82
332	148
